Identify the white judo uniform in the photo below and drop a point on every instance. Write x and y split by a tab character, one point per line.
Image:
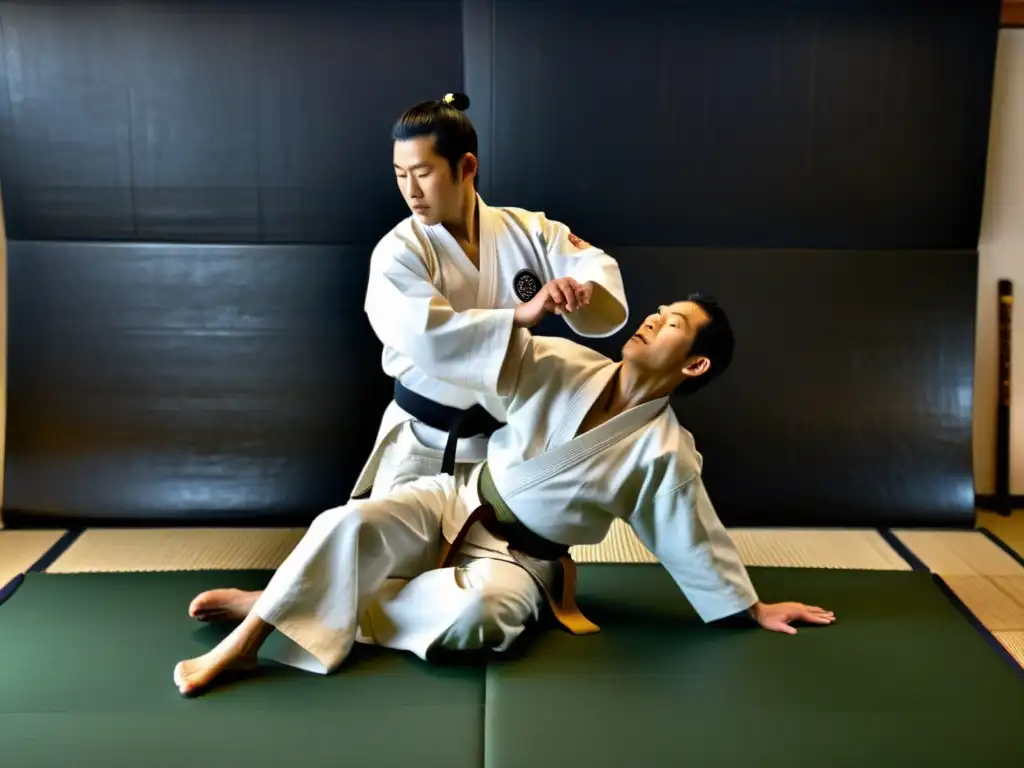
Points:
367	571
438	315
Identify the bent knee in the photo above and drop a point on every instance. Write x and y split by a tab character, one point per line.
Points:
490	605
356	513
491	617
345	514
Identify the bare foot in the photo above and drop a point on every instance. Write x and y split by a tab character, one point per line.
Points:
223	605
193	675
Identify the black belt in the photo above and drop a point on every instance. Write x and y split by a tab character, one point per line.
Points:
504	524
455	421
522	539
515	534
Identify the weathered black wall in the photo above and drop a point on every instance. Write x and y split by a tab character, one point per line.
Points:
856	124
212	122
170	381
820	169
849	400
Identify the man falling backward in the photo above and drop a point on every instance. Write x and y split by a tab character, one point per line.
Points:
441	565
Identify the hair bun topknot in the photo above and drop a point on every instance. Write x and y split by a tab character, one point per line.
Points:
458	100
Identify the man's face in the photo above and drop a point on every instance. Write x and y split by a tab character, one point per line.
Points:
662	343
426	182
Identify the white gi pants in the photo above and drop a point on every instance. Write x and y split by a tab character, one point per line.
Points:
366	572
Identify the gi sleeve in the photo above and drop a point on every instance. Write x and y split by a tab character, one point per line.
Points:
475	349
681	528
569	256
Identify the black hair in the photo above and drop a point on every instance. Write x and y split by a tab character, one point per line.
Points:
714	341
454	134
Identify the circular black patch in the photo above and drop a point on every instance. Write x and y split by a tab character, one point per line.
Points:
525	284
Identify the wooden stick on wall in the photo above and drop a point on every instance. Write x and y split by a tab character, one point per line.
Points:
3	352
1003	503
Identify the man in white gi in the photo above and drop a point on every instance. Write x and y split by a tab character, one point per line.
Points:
453	257
446	288
436	565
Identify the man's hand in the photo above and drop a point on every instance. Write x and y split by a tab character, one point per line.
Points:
562	294
776	617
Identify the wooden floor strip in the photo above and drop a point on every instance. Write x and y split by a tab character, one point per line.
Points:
1014	643
1009	528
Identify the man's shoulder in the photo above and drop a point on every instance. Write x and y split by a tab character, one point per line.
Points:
676	444
559	348
514	217
406	230
514	211
407	236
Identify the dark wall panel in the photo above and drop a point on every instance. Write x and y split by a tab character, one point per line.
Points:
188	382
850	398
214	121
194	121
206	383
745	124
818	166
66	157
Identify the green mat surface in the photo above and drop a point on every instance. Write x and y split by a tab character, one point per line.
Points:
901	679
86	665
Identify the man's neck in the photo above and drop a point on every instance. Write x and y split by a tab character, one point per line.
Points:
466	228
628	388
631	387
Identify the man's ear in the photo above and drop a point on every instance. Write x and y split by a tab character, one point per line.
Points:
468	166
696	366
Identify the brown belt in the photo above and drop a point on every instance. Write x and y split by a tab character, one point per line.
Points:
563	607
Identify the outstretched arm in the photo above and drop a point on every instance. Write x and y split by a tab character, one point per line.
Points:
682	529
475	349
604	310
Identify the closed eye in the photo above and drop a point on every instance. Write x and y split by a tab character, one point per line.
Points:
685	320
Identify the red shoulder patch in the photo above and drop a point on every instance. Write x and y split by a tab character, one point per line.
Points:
581	244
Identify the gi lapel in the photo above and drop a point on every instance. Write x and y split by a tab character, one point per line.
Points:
580	404
487	295
444	242
519	478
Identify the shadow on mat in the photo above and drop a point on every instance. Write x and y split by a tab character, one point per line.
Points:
678	621
362	657
640	616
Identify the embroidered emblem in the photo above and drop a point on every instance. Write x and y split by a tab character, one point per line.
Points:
526	284
581	244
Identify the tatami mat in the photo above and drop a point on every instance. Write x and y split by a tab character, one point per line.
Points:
19	550
802	548
200	549
620	546
177	549
997	601
988	580
959	553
